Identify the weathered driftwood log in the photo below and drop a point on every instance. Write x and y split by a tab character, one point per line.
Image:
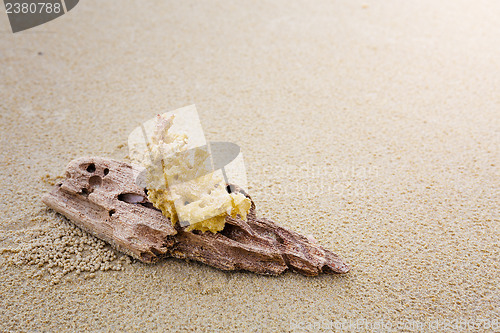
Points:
102	197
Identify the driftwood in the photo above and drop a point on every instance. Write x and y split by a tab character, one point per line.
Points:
101	196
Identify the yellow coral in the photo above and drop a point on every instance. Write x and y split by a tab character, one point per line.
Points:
181	184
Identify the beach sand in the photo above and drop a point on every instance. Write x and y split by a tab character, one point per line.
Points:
372	126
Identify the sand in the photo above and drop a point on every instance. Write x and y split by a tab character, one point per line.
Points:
373	126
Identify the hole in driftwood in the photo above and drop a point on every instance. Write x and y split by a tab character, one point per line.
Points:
95	181
91	168
137	199
106	171
111	212
148	204
155	251
231	231
280	239
147	257
84	192
131	198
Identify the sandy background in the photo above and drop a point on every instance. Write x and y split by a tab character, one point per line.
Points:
374	126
